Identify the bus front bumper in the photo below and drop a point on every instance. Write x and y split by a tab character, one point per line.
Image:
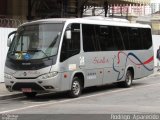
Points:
34	85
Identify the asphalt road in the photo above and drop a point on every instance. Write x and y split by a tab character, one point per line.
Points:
142	98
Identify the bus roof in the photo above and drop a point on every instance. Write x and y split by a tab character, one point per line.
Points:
98	20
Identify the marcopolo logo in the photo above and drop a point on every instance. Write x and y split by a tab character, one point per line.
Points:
25	74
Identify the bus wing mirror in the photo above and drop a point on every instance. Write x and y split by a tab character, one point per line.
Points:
9	42
68	34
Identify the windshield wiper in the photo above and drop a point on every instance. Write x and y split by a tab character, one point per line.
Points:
54	40
37	50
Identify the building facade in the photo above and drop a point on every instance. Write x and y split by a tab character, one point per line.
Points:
15	12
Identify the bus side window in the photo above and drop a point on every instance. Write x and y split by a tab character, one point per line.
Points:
118	39
106	38
71	47
125	36
89	40
135	39
146	37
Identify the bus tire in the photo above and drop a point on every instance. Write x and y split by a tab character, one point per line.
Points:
30	95
76	88
128	80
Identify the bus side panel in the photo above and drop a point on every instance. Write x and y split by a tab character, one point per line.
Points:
68	68
115	64
93	70
146	63
113	70
99	68
140	60
65	80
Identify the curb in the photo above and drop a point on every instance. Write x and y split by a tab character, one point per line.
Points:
157	73
8	96
5	94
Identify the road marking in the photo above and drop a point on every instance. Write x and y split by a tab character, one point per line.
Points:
147	85
75	99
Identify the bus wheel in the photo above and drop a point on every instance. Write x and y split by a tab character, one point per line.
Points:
30	95
128	80
76	88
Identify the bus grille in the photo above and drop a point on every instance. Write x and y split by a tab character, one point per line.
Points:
33	86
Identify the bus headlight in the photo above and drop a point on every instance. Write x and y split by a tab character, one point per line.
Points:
48	75
7	76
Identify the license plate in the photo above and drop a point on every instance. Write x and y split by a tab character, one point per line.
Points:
26	90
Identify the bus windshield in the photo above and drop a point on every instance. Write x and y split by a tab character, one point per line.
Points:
36	41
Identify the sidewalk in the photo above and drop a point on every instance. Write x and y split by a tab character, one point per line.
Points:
5	94
3	89
156	72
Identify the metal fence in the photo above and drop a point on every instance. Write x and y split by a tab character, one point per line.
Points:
11	21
